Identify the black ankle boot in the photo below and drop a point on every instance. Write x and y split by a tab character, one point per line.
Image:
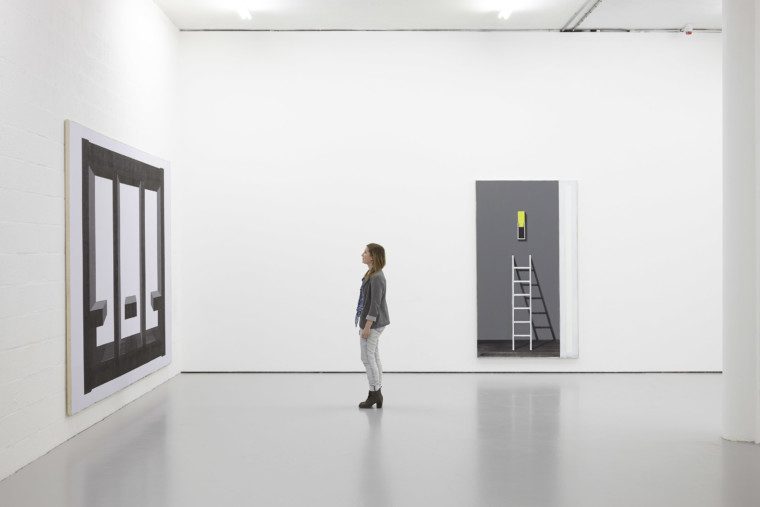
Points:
372	398
366	403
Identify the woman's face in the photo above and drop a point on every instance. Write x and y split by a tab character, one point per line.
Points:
366	257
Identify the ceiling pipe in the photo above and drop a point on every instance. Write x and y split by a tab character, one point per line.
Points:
581	15
526	30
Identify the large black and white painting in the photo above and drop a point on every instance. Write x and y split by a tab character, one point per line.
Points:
118	283
527	268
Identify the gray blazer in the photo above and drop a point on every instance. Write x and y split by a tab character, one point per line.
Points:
375	309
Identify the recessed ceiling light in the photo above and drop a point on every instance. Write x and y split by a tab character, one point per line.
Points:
505	13
244	13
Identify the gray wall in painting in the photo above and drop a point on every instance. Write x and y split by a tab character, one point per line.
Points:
497	206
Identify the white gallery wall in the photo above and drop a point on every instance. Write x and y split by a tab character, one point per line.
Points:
110	65
297	149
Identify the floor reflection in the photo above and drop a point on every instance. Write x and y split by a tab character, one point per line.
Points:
486	439
374	490
127	461
518	427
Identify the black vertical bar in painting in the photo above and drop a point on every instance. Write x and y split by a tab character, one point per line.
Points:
98	360
161	271
154	181
142	260
88	266
116	271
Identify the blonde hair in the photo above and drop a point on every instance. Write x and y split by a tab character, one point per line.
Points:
377	252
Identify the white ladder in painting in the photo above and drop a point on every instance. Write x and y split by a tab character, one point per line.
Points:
521	296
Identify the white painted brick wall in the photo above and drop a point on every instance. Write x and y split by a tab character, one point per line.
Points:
110	65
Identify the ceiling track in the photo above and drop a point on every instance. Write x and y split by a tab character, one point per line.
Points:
642	30
581	15
514	30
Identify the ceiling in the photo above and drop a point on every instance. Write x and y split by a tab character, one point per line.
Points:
443	14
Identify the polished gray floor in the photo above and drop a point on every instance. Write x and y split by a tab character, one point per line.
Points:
441	439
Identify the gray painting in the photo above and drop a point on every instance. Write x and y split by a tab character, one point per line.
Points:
518	268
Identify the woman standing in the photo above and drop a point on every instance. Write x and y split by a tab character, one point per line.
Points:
372	317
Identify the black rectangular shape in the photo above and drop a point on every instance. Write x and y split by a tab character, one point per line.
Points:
130	307
156	300
99	312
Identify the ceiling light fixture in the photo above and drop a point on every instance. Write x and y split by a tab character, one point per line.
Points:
244	13
505	13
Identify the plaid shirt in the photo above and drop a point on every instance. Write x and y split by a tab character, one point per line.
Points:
360	304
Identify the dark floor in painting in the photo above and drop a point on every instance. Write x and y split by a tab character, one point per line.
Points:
503	348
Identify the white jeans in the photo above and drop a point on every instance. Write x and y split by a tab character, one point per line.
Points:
371	358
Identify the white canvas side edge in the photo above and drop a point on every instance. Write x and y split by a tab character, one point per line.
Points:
568	268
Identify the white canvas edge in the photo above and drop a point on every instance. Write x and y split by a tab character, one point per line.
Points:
76	399
568	268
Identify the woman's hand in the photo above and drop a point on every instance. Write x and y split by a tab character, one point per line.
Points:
366	330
